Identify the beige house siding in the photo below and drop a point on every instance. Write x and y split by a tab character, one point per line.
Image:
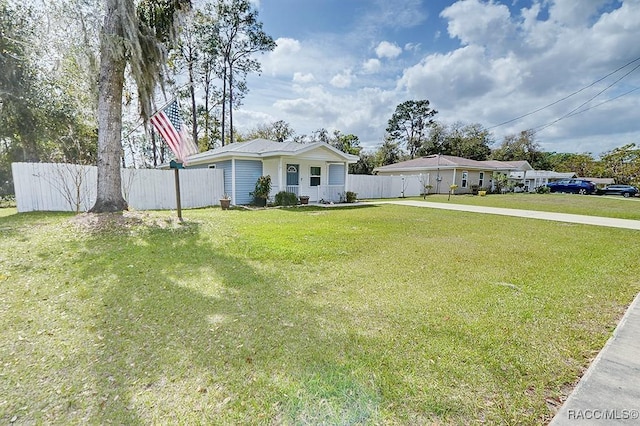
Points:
474	179
451	168
442	180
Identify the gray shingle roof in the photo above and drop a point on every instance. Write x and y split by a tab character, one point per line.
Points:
450	161
264	148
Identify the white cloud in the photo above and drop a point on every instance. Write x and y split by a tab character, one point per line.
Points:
385	14
299	77
574	13
448	79
412	47
493	78
475	22
304	61
505	66
388	50
286	46
359	112
371	66
538	34
282	58
342	80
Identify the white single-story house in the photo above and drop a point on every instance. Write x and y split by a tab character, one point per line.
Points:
441	171
317	170
535	178
531	179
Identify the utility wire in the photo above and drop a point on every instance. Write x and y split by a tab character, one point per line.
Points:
573	111
603	102
566	97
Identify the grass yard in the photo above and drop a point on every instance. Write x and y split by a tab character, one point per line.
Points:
368	315
590	205
7	211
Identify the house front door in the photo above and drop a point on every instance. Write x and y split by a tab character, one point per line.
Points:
293	178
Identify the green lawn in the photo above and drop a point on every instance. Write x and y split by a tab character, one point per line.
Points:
591	205
370	315
7	211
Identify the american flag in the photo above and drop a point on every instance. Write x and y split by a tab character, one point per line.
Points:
167	122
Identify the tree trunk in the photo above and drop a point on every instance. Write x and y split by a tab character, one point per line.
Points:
112	65
207	86
230	103
192	90
154	147
206	115
224	102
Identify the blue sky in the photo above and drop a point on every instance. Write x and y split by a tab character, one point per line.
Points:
345	65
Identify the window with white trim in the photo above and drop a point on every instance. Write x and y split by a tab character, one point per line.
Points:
465	178
481	180
314	179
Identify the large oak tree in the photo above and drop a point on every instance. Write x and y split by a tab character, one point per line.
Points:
134	34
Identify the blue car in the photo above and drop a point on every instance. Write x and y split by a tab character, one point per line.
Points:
573	186
624	190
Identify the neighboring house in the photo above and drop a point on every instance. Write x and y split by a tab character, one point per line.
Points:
316	169
442	171
531	179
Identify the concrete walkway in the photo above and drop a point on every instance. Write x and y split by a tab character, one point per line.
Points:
609	392
559	217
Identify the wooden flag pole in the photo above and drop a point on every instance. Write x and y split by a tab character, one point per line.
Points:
176	167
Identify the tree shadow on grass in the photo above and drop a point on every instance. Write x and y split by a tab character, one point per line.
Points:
185	332
13	224
327	207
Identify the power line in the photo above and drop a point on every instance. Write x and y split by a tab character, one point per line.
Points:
573	111
568	96
603	102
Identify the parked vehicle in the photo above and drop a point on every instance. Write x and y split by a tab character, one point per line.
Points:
574	186
624	190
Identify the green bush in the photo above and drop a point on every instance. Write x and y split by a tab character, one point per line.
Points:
284	198
262	190
350	197
543	189
7	201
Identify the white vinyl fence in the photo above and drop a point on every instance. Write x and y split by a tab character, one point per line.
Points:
70	187
367	186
